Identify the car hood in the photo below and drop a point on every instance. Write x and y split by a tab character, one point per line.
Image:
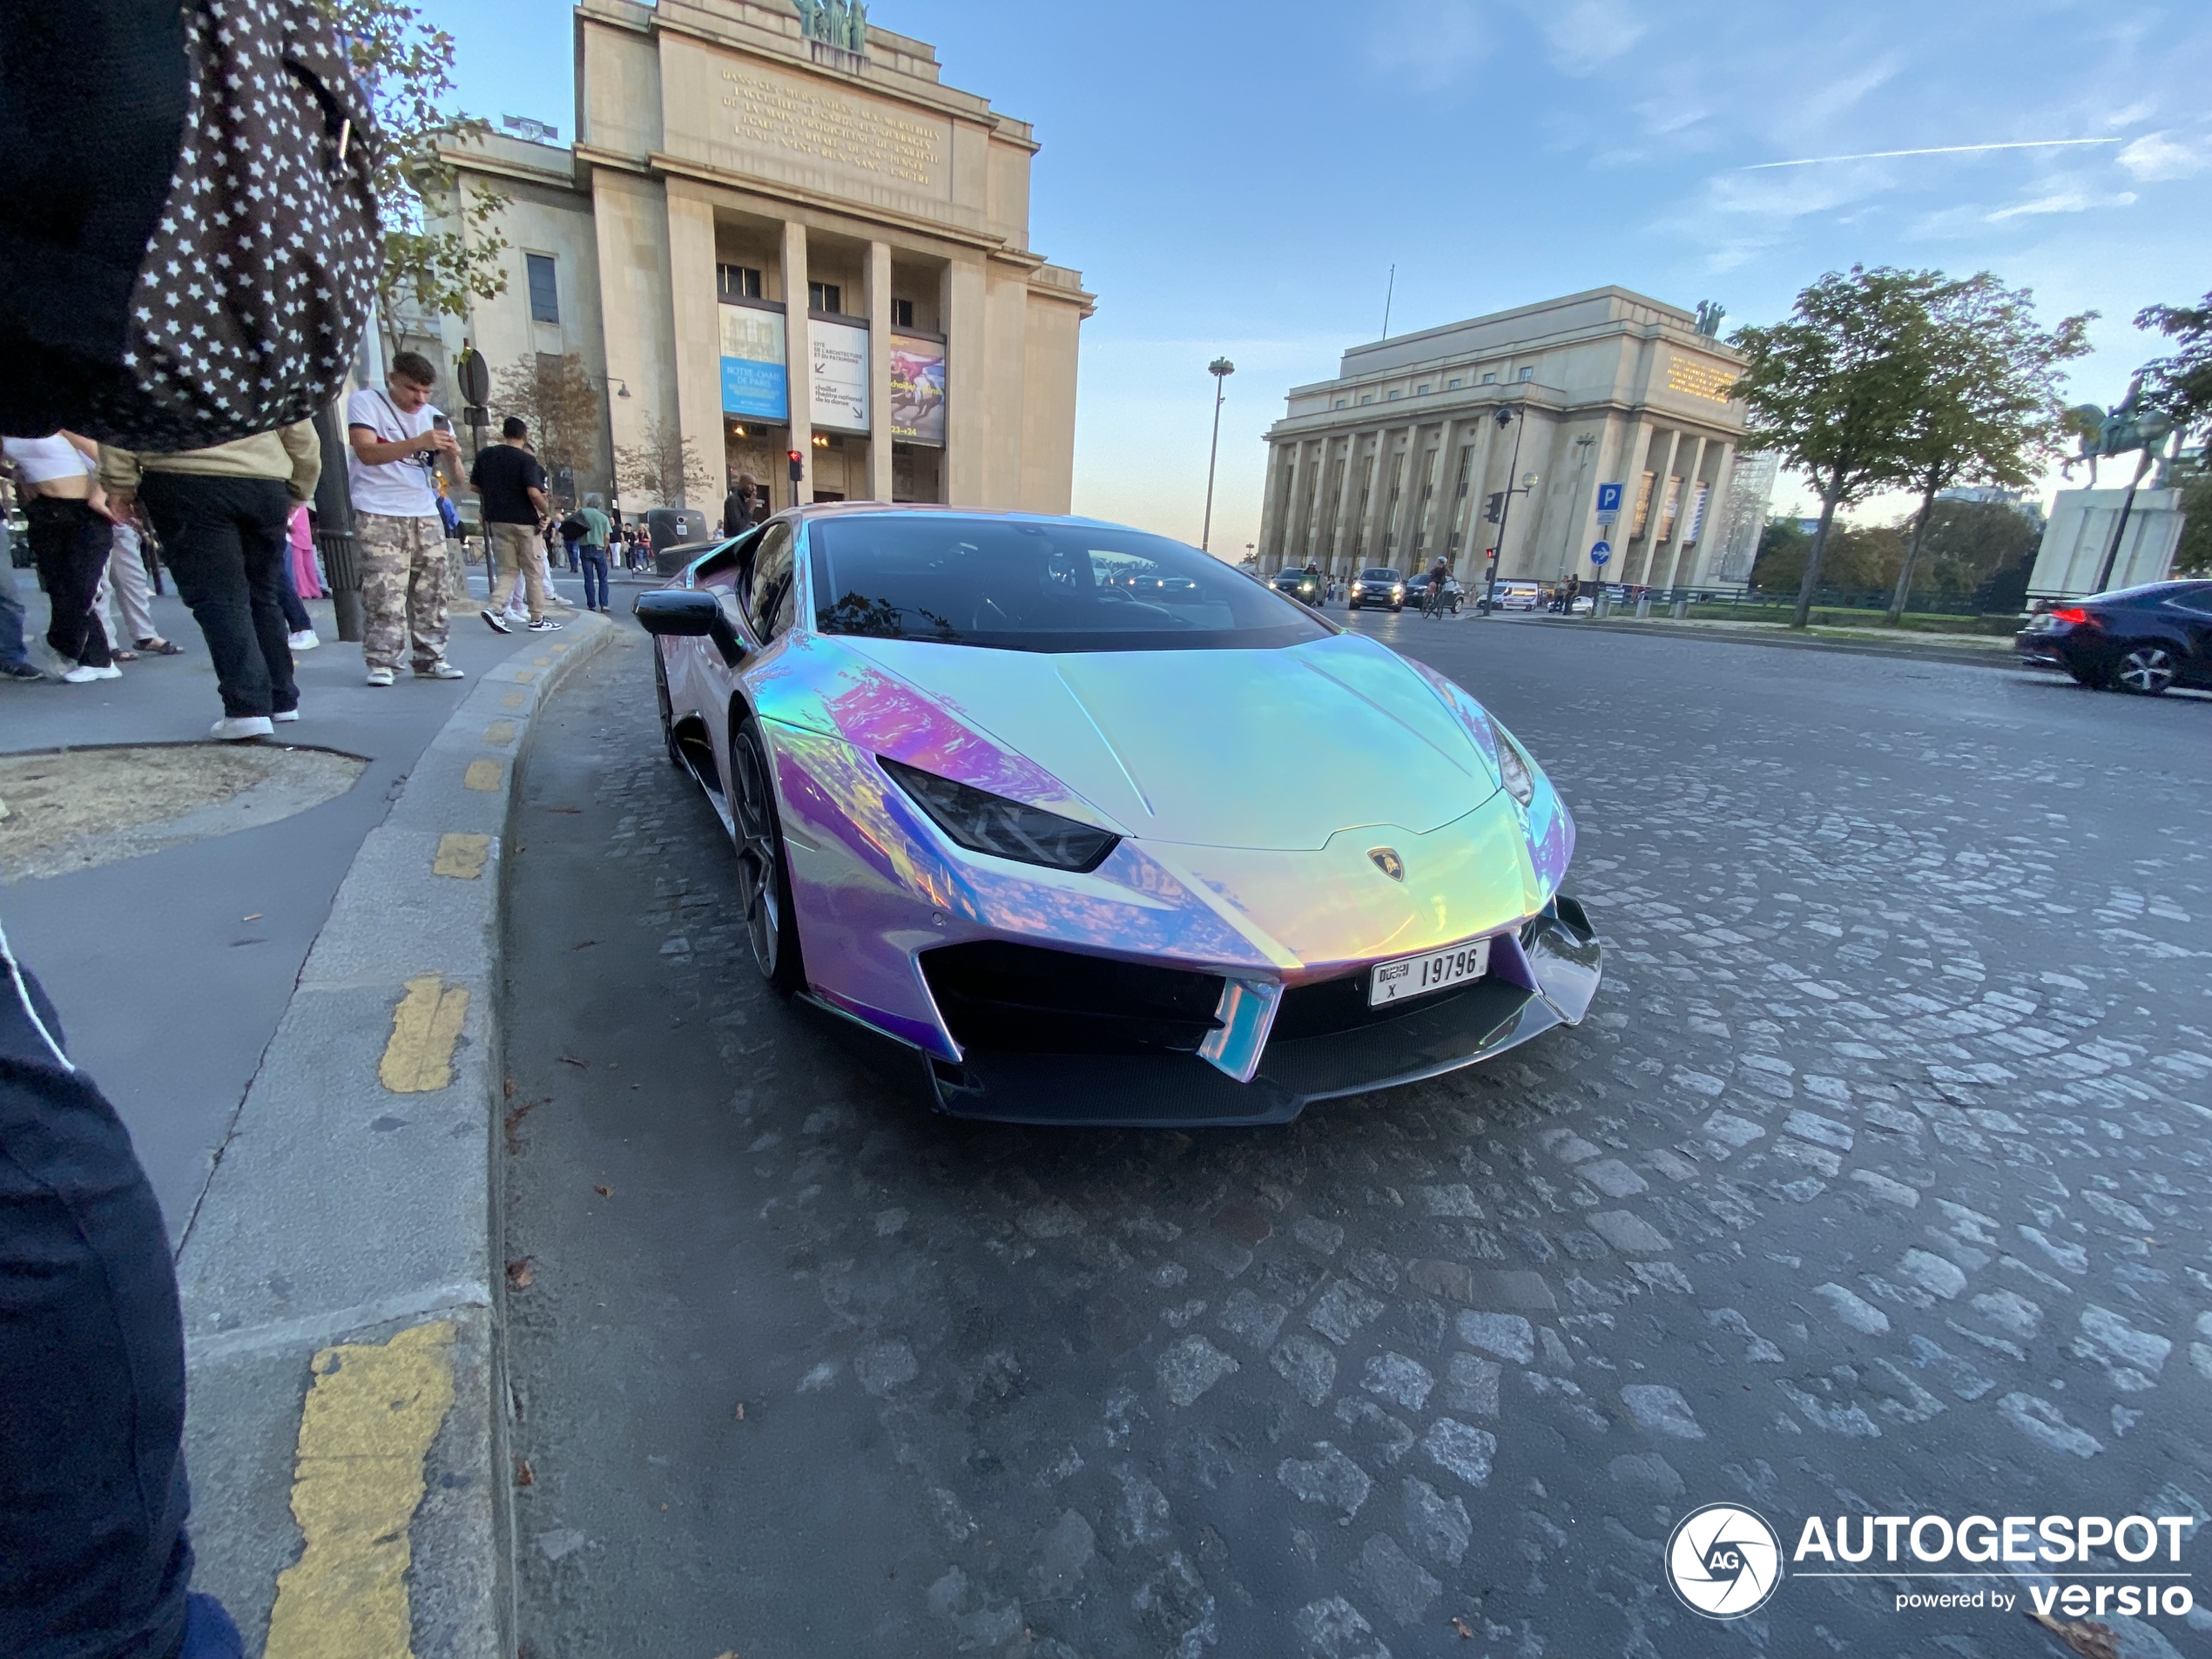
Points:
1276	749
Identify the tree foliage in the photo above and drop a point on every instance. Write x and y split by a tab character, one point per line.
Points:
1989	411
2182	384
1836	386
562	404
1965	545
662	468
440	250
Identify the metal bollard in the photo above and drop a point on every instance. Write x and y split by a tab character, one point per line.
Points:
1604	604
335	529
1681	609
1644	606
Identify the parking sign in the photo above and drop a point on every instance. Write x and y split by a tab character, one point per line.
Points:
1609	502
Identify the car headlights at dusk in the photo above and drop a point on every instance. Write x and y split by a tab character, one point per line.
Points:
984	822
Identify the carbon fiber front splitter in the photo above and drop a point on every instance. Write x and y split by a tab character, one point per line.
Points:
1548	981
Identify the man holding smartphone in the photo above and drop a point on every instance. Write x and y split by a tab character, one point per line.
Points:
396	438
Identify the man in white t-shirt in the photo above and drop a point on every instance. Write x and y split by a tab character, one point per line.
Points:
395	446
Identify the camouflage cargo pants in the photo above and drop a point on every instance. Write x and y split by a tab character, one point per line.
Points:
403	588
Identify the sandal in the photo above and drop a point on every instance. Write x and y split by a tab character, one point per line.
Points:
159	647
124	656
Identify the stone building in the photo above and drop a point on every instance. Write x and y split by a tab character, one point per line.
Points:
778	229
1397	460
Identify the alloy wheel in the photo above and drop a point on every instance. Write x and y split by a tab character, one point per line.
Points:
764	883
2146	669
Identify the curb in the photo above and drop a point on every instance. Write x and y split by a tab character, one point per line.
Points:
353	1203
1992	659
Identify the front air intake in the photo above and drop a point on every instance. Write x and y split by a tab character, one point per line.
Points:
1025	999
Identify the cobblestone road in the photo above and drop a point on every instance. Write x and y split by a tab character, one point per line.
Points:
1876	1184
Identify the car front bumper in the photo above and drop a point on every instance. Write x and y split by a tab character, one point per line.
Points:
1543	977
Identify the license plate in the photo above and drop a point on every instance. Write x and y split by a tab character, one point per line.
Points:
1413	976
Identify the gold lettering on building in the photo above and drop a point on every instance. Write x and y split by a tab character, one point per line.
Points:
1700	379
788	117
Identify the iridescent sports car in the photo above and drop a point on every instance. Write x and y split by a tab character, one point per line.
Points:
1103	829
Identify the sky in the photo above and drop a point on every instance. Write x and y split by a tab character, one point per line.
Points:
1237	179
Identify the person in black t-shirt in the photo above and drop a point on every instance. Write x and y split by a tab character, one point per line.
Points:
511	487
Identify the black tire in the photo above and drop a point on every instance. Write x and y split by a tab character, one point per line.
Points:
667	710
2146	669
772	922
2092	676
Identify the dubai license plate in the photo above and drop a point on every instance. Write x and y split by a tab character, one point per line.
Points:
1413	976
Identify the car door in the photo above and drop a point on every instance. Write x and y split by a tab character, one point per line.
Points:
2190	610
699	678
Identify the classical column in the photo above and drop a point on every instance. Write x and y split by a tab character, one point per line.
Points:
1271	508
699	352
1390	469
1689	476
1627	470
1716	503
968	417
879	301
1346	488
799	359
1655	521
1436	511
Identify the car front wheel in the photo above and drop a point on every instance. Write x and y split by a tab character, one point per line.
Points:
2145	669
764	871
667	710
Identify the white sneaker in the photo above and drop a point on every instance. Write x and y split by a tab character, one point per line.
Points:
237	729
545	626
497	622
305	639
379	676
285	717
440	671
84	673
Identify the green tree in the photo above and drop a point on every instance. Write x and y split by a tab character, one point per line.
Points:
2182	384
440	250
1835	388
662	467
1779	565
1988	411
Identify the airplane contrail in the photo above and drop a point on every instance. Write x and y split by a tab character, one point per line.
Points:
1939	150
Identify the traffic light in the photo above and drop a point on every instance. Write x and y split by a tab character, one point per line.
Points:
798	464
1492	508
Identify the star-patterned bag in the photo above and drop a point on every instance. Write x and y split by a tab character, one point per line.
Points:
260	275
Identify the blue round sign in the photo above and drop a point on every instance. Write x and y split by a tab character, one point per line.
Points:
1601	551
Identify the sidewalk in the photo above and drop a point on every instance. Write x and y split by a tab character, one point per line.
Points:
172	969
1987	651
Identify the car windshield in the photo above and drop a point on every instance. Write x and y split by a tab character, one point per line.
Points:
1378	575
1013	584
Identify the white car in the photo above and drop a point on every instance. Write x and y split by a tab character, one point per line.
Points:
1518	596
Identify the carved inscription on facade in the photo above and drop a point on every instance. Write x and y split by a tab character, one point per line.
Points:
1700	379
783	115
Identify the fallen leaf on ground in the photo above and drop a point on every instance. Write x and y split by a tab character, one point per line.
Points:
570	1059
256	916
604	1192
510	1089
1460	1625
519	1273
583	944
523	1477
564	809
2090	1641
514	1122
741	1410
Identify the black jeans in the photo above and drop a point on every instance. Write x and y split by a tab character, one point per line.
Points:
93	1556
69	543
224	541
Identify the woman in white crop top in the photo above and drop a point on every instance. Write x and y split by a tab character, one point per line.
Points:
71	534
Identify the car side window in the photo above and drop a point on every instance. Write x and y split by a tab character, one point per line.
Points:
722	568
768	605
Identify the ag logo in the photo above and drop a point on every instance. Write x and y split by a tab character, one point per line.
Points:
1723	1562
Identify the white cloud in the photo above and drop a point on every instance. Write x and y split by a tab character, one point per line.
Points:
2156	156
1589	33
2063	201
1424	44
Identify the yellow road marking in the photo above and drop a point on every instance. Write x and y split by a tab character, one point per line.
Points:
418	1059
460	856
500	732
371	1414
513	700
541	661
560	648
484	775
523	677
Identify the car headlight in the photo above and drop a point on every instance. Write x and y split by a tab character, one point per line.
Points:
1515	771
984	822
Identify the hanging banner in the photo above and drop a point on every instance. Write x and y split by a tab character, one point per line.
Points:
840	354
917	390
753	379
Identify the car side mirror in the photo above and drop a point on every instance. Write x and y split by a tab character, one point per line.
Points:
690	613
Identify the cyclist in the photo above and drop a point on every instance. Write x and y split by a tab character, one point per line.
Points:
1433	602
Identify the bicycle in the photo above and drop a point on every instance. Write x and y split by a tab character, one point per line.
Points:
1433	602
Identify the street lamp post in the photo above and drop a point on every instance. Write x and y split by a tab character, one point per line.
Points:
1505	512
1221	369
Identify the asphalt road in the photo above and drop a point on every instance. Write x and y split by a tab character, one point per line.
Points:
1875	1184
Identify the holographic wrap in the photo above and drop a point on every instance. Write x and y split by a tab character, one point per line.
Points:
1253	790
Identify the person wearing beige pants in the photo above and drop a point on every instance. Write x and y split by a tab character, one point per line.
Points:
521	557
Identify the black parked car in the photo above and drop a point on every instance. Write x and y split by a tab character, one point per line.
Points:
1307	587
2136	639
1377	587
